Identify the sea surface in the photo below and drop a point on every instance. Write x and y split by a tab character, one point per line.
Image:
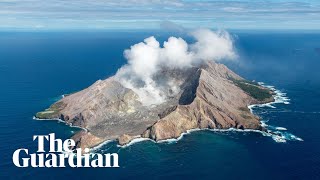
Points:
36	68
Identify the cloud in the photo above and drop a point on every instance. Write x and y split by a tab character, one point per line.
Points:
147	59
211	45
122	14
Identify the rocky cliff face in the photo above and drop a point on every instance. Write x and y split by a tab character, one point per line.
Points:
211	96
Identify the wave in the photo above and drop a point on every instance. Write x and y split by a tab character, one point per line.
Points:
98	147
281	128
60	120
278	134
136	140
174	140
171	140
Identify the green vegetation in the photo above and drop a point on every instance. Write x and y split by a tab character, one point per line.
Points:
245	109
253	89
51	112
246	116
45	114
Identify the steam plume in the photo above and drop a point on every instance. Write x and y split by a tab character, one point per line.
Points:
147	58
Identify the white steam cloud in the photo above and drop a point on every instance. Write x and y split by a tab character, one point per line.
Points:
147	59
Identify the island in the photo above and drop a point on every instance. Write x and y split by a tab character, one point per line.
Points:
211	96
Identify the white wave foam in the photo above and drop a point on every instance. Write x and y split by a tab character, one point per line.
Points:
53	119
279	139
264	124
100	145
59	120
237	130
171	140
281	128
279	97
136	140
251	107
266	105
174	140
278	136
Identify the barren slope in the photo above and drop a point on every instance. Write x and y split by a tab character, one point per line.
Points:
211	96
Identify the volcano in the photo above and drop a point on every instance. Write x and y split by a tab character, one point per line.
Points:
210	96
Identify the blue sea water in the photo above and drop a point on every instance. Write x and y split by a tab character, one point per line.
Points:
37	68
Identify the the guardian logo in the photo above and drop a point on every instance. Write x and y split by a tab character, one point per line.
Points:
60	154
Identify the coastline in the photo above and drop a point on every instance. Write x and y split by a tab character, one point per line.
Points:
279	97
275	132
62	121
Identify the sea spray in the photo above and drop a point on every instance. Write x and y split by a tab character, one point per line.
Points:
277	136
277	133
60	120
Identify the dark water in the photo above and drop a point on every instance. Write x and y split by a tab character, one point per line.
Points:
37	68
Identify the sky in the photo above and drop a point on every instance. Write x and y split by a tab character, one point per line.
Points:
155	14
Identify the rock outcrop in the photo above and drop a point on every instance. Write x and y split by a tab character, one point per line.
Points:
211	96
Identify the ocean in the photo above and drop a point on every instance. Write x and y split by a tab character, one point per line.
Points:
37	68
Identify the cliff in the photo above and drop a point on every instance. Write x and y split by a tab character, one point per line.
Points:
210	96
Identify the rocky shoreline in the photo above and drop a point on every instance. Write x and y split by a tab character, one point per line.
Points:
210	97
